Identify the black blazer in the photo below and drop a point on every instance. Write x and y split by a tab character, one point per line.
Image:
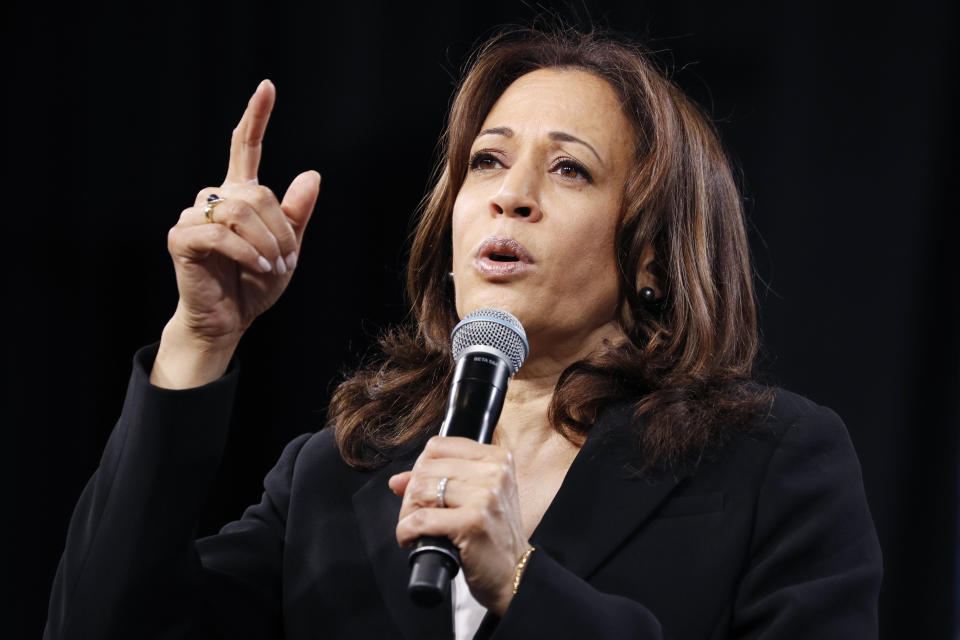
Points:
771	538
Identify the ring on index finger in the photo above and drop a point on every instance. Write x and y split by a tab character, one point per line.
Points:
441	489
212	201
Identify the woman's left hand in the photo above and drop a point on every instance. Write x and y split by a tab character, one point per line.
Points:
482	514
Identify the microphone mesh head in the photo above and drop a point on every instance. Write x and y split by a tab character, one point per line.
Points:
492	328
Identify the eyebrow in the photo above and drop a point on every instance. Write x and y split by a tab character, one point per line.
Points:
560	136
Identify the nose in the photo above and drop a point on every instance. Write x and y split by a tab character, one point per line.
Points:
518	195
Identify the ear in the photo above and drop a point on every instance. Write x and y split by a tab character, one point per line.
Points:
647	273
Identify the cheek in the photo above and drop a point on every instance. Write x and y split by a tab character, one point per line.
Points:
463	227
464	224
592	273
588	241
458	231
589	256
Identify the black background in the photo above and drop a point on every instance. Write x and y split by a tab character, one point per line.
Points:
114	117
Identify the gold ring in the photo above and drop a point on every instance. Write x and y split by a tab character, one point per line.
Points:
212	201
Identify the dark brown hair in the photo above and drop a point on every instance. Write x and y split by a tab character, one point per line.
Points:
688	361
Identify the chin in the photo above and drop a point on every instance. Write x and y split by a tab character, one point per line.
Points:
497	297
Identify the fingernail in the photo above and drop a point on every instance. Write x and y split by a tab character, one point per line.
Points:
281	267
264	264
292	260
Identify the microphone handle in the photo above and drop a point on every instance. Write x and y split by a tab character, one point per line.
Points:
476	399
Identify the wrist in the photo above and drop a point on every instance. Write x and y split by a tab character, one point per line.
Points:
511	590
521	568
186	360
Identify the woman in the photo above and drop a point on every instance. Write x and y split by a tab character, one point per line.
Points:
639	484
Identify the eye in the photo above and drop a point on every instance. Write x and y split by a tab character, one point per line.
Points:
482	160
571	169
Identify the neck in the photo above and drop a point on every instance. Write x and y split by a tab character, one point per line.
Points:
523	424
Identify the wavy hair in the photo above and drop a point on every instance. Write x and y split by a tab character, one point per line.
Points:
687	365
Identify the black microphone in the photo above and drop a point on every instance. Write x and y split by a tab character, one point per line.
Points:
489	346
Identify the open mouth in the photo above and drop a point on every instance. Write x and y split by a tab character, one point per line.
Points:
501	249
500	257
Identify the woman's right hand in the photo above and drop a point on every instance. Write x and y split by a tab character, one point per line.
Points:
234	268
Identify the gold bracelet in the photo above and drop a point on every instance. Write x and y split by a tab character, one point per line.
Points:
521	567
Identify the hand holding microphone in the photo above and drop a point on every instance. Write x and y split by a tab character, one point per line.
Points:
479	522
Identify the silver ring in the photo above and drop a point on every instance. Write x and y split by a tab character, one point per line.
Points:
441	488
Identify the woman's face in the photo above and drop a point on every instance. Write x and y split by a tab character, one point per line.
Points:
535	219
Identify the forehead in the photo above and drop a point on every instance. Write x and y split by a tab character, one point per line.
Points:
571	100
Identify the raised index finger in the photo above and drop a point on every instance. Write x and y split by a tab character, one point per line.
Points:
246	144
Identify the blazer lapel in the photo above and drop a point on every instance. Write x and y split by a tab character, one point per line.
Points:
599	504
377	509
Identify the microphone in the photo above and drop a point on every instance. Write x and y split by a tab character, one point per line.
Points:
489	346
